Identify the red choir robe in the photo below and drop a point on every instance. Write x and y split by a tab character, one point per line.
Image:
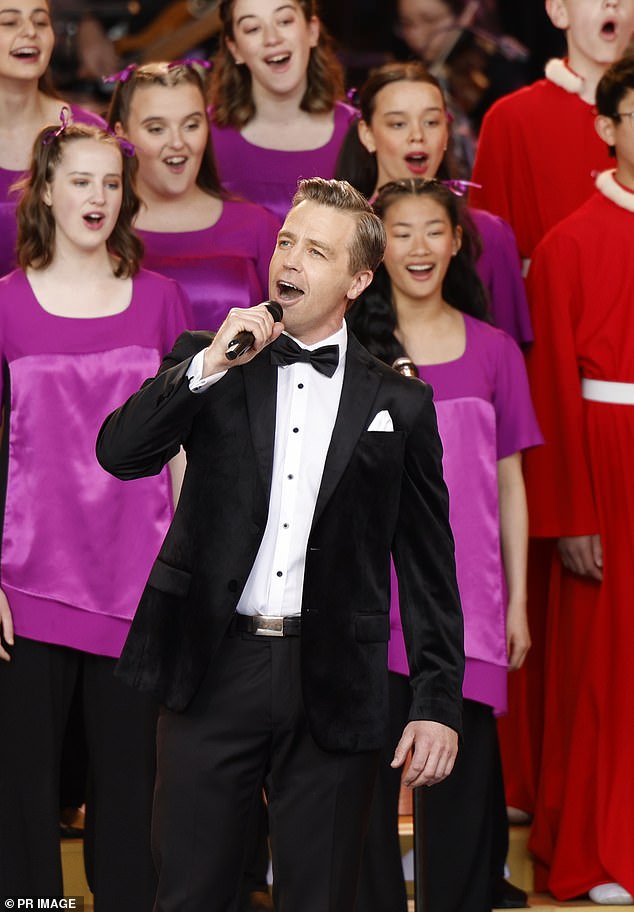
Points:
581	482
537	156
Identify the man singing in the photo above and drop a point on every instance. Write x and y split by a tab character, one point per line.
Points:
263	628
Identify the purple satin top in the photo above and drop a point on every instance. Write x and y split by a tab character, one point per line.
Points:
269	176
484	414
78	544
224	266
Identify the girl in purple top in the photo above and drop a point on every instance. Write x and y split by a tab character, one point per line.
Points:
276	114
80	327
27	103
218	248
427	303
404	132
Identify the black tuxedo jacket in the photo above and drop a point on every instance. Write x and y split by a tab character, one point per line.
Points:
381	493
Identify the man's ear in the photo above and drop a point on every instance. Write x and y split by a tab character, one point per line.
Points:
558	13
366	136
606	128
359	283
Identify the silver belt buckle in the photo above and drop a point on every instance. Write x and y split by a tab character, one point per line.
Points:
269	626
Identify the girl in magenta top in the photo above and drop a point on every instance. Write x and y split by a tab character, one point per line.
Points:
80	327
426	302
276	111
217	247
28	103
404	133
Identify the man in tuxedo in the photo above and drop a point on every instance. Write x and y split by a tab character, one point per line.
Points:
263	628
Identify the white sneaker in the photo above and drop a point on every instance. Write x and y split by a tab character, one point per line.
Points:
611	894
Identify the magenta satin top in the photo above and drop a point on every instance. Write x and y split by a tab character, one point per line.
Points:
78	544
8	200
224	266
269	176
484	414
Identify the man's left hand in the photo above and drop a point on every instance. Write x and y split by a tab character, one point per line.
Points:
435	747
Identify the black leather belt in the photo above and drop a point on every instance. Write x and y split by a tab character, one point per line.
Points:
262	625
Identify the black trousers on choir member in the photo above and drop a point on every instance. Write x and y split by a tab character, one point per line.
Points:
381	883
74	772
36	689
246	728
464	845
465	828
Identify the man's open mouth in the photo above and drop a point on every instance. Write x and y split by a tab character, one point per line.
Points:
287	292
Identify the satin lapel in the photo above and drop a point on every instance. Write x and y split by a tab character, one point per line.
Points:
260	382
360	385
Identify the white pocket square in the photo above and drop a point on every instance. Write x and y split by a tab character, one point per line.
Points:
382	421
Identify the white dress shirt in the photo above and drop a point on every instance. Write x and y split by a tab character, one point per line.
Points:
307	406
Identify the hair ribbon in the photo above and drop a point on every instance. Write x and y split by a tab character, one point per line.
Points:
122	75
65	118
125	145
191	62
459	187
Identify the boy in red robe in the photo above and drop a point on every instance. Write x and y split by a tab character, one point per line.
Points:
581	492
537	154
538	149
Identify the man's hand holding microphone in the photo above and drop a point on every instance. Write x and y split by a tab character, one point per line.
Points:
243	334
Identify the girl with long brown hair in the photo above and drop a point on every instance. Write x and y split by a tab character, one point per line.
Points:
277	110
216	246
27	102
405	132
80	326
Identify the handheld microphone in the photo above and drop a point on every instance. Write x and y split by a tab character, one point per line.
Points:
245	339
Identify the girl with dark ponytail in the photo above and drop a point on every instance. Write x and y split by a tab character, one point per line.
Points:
373	317
277	90
429	305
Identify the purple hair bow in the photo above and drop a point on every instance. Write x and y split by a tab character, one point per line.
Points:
65	118
125	145
459	187
123	75
191	62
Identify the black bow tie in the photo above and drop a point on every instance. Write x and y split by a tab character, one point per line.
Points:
285	351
